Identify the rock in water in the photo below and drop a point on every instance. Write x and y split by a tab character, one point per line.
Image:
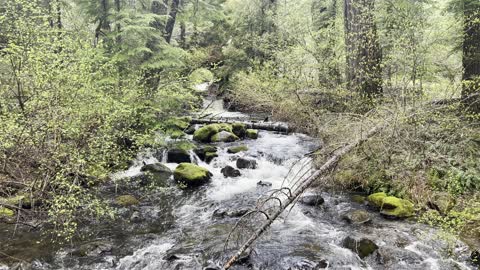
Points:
209	156
397	208
246	163
363	247
357	217
178	156
155	173
312	200
264	184
126	200
252	133
190	175
239	129
204	134
190	130
224	136
202	152
237	149
229	171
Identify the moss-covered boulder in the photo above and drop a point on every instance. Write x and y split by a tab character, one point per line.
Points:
156	174
237	149
397	208
224	136
209	156
202	151
239	129
376	199
252	133
126	200
190	175
205	133
6	213
363	247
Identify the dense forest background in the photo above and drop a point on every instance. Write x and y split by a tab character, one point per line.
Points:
85	84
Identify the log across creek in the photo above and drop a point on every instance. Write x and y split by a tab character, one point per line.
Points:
269	126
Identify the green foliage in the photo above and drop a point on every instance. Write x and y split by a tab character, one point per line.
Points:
455	181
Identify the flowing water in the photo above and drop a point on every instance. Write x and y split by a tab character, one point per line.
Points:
175	229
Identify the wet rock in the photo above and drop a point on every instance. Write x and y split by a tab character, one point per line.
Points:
237	149
312	200
202	152
394	207
221	213
229	171
389	256
363	247
358	199
239	129
475	258
190	175
190	130
205	133
246	163
252	134
224	136
209	156
443	202
178	156
357	217
171	257
264	184
126	200
156	173
322	264
136	217
93	249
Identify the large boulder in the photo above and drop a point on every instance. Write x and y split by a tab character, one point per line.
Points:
203	151
363	247
239	129
190	175
357	217
156	174
224	136
246	163
237	149
391	206
312	200
252	133
229	171
205	133
376	199
178	156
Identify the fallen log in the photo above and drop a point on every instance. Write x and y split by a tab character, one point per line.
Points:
269	126
320	173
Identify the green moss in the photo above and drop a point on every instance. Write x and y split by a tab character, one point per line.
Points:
179	123
237	149
376	199
5	212
189	175
252	133
358	199
224	136
205	133
126	200
209	148
200	75
239	129
396	207
184	145
209	156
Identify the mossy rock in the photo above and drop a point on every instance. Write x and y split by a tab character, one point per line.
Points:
6	213
237	149
126	200
252	133
209	156
156	173
202	152
191	175
376	199
205	133
239	129
224	136
363	247
396	207
178	123
443	202
357	217
358	199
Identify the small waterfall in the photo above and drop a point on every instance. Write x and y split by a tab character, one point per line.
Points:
164	156
193	157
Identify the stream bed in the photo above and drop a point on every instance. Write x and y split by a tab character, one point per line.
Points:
175	229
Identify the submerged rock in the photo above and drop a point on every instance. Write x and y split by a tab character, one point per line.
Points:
357	217
229	171
224	136
126	200
239	129
190	175
363	247
264	184
178	156
252	133
237	149
246	163
221	213
205	133
312	200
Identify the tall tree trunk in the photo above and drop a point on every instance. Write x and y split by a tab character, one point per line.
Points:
118	27
103	23
364	73
171	20
471	55
183	40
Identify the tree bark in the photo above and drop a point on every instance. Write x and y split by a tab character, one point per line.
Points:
364	72
471	56
171	20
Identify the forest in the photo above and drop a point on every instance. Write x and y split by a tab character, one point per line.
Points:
239	134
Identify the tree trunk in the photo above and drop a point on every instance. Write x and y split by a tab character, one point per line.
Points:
183	40
364	73
159	8
171	20
118	27
471	56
